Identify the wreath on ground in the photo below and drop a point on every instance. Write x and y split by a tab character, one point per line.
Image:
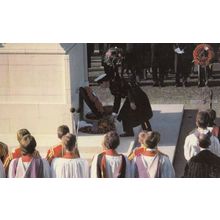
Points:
203	54
102	126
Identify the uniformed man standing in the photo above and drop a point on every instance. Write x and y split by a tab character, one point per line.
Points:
136	110
160	59
182	62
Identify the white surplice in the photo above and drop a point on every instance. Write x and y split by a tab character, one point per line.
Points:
165	166
2	170
69	168
23	166
191	146
113	165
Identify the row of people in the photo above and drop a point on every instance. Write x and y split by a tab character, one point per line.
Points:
63	160
201	150
202	147
204	125
159	59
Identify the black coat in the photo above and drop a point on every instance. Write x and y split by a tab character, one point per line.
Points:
143	110
204	165
188	48
162	55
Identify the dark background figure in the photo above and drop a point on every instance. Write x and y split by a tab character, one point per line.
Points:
141	60
203	75
131	59
161	53
205	164
137	59
183	62
90	50
204	53
134	60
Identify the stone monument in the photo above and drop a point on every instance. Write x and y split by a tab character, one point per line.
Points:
38	84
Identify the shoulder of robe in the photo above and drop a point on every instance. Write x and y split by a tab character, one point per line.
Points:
193	131
163	154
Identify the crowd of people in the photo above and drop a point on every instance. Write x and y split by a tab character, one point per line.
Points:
201	150
64	161
160	59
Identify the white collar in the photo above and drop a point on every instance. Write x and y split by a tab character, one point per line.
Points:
203	131
148	149
202	149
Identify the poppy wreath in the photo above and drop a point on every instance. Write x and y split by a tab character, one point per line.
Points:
114	56
105	125
203	54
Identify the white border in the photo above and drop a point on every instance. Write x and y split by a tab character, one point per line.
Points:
110	21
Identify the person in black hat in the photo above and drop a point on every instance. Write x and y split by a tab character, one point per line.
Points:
136	109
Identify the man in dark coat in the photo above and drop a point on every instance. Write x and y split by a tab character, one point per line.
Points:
205	164
136	109
183	61
161	54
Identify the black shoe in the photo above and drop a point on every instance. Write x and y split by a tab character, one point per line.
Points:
127	135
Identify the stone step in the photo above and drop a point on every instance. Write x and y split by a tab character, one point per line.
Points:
96	65
95	69
95	58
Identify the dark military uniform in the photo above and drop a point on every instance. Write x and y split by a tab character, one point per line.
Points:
160	59
183	62
131	118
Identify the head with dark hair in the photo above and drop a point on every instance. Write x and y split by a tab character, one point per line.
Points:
152	138
69	141
3	151
28	144
142	137
21	133
204	140
62	130
202	119
111	140
212	117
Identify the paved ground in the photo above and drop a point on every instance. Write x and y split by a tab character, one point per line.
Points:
192	97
